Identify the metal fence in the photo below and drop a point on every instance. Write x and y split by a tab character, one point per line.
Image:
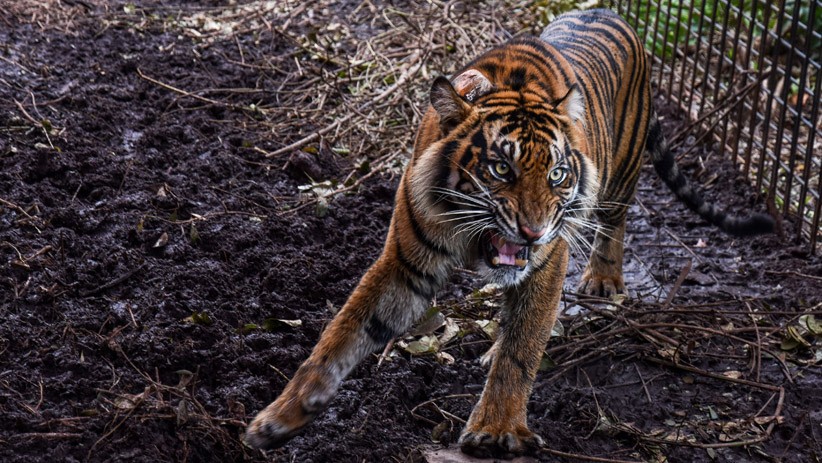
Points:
747	74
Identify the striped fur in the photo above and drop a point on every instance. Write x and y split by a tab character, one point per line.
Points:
525	148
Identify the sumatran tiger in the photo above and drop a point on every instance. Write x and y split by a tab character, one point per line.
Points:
522	150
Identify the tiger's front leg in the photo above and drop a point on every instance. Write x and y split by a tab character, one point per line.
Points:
388	299
498	426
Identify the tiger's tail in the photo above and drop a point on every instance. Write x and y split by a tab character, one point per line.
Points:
666	167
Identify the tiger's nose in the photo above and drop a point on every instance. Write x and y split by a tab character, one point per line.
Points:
531	235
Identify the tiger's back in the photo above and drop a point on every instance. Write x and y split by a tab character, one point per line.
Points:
608	59
520	153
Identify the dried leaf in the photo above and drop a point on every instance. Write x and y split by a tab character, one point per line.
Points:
130	401
423	345
430	322
451	330
558	329
331	308
489	327
444	358
793	339
161	241
276	324
185	378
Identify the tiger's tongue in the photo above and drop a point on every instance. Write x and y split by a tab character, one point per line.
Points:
507	251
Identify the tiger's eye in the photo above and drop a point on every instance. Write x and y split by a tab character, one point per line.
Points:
557	175
502	168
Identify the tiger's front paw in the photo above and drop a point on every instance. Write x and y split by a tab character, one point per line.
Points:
277	423
507	444
594	284
305	396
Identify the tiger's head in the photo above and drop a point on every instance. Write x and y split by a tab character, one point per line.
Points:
510	174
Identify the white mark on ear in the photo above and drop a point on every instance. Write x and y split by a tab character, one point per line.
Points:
572	104
472	84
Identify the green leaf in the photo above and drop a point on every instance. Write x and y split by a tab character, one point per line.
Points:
809	322
249	327
199	318
546	363
194	235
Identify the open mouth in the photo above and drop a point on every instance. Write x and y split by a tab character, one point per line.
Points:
499	252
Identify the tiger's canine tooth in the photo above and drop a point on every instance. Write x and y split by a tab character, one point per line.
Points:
495	260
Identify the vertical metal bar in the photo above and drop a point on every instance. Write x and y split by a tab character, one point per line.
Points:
687	44
766	128
674	49
803	74
786	89
818	210
760	64
636	17
737	110
654	35
697	59
706	76
647	21
720	62
817	96
665	48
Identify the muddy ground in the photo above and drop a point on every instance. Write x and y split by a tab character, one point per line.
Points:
160	281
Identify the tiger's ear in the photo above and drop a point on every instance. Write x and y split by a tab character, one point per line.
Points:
453	101
572	104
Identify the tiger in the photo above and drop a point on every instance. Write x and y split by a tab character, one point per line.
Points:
530	146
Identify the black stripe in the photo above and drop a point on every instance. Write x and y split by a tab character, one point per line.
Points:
378	331
419	233
424	288
548	259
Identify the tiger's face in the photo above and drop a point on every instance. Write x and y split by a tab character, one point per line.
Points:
513	179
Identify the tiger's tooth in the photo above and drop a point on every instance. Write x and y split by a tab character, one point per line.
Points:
501	241
521	262
495	260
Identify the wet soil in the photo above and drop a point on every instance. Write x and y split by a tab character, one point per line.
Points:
147	257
